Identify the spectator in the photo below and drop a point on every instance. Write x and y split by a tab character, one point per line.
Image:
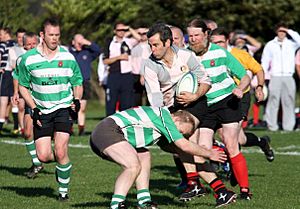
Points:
279	59
85	52
6	80
117	56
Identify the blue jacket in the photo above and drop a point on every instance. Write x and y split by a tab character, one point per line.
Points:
85	57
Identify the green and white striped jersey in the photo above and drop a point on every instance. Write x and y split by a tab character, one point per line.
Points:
221	66
143	126
50	81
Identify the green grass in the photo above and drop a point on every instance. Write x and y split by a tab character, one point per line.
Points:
274	185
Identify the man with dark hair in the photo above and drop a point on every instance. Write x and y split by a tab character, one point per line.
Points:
117	55
223	105
278	59
123	137
219	36
162	71
50	81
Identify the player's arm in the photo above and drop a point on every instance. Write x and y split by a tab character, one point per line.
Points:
195	149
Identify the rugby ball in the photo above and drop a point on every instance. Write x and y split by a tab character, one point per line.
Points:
266	92
188	82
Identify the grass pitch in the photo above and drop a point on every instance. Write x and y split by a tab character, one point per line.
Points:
274	185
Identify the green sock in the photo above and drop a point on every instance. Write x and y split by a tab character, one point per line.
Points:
30	146
115	200
63	177
143	196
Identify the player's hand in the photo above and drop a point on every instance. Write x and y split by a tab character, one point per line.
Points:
238	93
36	117
218	155
185	98
15	99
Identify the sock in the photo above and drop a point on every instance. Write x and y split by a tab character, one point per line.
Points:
217	185
239	167
253	140
15	111
193	177
63	177
30	146
16	122
255	109
80	129
2	121
115	200
143	196
181	169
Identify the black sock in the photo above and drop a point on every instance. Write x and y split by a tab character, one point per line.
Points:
16	122
253	140
1	126
180	168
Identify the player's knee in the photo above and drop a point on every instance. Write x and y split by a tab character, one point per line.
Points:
135	168
44	156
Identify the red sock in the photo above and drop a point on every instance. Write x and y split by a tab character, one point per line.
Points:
217	185
239	167
255	109
193	177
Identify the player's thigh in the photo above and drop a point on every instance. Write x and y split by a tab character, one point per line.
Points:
43	146
123	154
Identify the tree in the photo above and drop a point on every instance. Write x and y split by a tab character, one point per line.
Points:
14	14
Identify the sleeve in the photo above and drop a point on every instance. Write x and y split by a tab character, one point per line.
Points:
295	36
95	50
234	67
24	75
169	129
154	94
266	58
76	79
198	69
16	70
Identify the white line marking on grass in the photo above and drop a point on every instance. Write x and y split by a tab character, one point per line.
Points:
247	150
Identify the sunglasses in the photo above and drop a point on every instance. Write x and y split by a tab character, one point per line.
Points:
124	30
142	34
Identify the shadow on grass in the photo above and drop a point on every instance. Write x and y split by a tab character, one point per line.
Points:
31	191
21	171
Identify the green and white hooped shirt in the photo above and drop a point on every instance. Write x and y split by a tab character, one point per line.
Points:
143	126
50	81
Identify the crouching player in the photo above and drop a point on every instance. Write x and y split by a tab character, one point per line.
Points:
122	137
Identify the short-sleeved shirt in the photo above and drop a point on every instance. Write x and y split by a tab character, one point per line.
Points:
248	62
221	66
4	48
50	81
143	126
161	80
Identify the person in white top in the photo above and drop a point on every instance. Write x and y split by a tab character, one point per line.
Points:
278	59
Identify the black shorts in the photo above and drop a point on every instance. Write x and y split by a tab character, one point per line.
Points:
198	108
222	112
86	90
57	121
245	105
106	133
7	86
